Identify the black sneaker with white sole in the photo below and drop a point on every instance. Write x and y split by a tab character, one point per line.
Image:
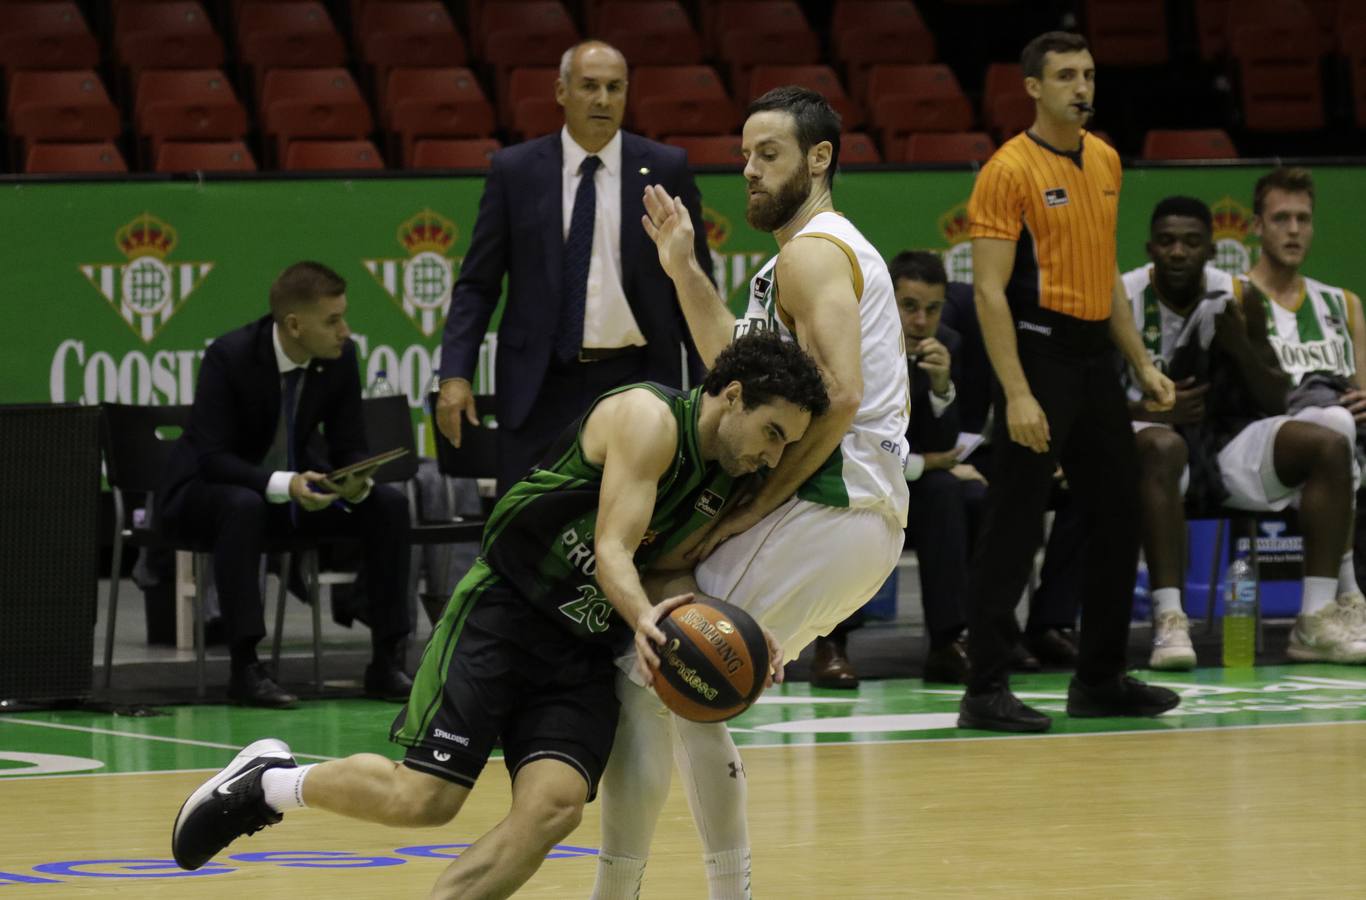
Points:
228	805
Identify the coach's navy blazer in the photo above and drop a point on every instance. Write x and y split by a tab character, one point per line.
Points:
237	409
520	233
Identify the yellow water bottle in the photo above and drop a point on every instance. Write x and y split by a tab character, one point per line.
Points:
1240	615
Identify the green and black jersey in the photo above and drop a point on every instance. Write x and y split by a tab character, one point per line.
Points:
539	538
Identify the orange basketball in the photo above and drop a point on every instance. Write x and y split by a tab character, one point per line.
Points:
713	661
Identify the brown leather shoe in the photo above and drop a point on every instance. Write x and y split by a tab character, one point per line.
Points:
831	668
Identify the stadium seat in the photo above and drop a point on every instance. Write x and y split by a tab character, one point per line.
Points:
857	148
1293	18
331	155
1216	21
525	17
186	105
864	33
904	99
962	147
212	156
1209	143
821	79
466	154
287	34
772	20
407	33
71	159
58	106
1006	108
766	32
649	31
165	34
711	150
45	34
1355	37
1127	32
670	100
508	50
311	104
535	87
1278	78
421	103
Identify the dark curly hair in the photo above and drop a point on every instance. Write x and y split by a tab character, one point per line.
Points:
768	366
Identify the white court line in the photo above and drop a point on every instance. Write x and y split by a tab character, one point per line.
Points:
144	737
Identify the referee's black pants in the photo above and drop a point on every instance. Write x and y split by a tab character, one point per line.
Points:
1090	436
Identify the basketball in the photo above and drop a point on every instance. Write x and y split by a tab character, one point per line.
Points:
713	661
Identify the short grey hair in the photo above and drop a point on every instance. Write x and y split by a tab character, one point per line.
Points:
567	58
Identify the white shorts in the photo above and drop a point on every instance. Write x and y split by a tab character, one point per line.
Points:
1248	467
1185	471
804	568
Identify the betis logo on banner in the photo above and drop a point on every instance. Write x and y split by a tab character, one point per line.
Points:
731	269
1233	239
421	284
147	288
954	226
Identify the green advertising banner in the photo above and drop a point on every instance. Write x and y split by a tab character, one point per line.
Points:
112	290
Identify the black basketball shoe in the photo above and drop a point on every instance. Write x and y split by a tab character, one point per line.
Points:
228	805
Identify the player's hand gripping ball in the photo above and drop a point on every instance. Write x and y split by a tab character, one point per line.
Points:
713	662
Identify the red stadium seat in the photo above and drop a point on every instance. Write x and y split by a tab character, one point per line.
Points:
906	99
864	33
1292	18
533	90
331	155
165	34
529	18
777	19
1006	108
214	156
711	150
45	34
1278	78
669	100
1209	143
71	159
59	107
963	147
1216	21
408	33
649	31
311	104
187	105
422	103
857	148
468	154
821	79
1127	32
289	34
768	32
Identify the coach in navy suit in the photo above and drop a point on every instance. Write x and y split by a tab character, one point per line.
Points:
588	306
243	472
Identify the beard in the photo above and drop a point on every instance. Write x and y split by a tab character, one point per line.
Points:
776	210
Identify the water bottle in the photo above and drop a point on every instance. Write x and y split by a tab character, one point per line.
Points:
380	387
1240	611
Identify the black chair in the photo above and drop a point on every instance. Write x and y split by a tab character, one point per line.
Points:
137	442
477	456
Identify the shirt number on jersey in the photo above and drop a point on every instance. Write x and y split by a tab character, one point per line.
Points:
590	609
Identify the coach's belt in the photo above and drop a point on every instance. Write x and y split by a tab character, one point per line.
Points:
598	354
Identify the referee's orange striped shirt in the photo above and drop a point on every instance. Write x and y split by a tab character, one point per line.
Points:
1061	209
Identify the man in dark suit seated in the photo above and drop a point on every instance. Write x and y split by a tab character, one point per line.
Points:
588	306
242	472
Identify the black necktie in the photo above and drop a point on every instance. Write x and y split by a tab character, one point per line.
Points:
578	253
288	400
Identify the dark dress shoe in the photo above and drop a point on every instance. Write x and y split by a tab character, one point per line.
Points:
947	664
830	668
251	686
1021	660
1118	696
1000	710
1053	647
386	682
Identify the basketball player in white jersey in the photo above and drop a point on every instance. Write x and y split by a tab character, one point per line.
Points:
1307	456
824	530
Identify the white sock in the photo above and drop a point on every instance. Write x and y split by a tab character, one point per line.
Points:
1166	600
728	874
619	877
1347	575
285	787
1318	593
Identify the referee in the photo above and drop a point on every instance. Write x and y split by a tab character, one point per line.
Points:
1053	308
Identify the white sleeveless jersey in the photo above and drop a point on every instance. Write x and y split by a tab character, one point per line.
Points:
868	467
1163	330
1316	336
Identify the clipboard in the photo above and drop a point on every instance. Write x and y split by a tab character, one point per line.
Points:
336	476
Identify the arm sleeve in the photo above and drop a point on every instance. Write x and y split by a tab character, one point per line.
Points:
480	283
996	208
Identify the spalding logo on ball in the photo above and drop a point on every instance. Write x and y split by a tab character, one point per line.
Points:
713	661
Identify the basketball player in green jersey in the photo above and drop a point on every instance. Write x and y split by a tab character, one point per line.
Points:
525	650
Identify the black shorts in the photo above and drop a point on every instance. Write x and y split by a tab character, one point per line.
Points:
496	668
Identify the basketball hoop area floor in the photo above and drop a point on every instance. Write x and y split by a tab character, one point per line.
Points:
1254	787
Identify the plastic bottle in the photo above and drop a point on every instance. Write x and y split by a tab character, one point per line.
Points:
380	387
1240	612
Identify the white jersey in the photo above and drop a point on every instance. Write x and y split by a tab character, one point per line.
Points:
867	469
1161	328
1315	336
